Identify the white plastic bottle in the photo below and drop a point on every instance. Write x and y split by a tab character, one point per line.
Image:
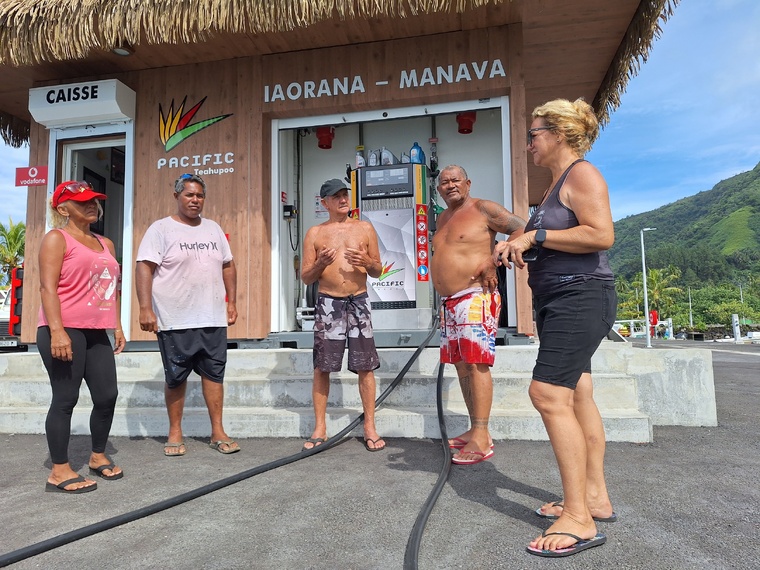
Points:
360	157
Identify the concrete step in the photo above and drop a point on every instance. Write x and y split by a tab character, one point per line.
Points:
279	391
268	393
252	363
419	422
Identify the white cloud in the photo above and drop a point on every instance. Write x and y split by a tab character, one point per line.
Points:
689	119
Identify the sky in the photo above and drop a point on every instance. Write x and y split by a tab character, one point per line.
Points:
689	119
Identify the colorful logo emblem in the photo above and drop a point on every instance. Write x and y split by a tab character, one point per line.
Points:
388	271
174	127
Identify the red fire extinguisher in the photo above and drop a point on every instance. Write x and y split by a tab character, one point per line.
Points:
654	318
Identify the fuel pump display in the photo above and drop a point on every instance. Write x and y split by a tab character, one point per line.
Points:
393	198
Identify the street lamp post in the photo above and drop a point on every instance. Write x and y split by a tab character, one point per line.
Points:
691	320
644	279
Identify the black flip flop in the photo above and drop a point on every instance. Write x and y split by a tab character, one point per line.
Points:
61	487
110	466
581	545
314	441
374	442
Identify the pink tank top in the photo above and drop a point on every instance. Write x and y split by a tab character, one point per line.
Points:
88	287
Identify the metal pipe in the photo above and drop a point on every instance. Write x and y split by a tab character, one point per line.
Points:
644	279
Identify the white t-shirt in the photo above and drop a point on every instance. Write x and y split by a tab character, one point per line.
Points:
188	289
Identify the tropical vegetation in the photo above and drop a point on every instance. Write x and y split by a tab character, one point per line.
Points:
703	259
12	242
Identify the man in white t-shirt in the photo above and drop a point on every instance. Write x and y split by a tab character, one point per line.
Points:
186	287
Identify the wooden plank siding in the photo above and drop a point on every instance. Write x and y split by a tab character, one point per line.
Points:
547	49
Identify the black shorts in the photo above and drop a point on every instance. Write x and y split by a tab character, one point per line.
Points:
571	324
203	351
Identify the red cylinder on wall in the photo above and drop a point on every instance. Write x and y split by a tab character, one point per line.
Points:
465	121
325	136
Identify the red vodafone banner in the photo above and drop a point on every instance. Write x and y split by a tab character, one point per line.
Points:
31	176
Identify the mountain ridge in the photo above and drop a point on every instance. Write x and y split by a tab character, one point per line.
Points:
712	236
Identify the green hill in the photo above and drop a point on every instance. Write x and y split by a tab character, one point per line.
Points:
713	236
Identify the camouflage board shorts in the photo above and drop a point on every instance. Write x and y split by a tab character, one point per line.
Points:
336	320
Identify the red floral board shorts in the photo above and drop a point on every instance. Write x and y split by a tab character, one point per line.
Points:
469	321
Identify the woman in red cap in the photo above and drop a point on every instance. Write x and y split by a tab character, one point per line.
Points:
79	285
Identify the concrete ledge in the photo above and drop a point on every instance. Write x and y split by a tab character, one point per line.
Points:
613	392
644	387
242	422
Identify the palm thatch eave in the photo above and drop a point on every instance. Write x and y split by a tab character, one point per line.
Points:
645	27
31	31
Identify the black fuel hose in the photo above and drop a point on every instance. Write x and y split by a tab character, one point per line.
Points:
415	537
89	530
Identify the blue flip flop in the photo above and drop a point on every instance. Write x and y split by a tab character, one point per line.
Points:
582	544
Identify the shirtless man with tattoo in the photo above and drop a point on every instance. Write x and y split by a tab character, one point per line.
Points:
464	276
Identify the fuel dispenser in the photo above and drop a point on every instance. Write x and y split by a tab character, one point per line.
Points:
394	199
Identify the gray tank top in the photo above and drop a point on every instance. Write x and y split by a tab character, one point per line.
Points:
554	269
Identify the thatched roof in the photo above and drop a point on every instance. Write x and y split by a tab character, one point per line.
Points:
33	32
633	51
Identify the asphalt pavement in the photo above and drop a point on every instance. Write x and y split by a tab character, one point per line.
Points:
688	500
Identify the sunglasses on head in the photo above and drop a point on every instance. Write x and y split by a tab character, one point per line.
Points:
76	187
191	177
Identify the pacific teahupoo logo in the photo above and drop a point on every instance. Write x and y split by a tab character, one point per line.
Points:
175	127
388	271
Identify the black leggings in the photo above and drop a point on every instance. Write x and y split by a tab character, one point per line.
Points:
93	360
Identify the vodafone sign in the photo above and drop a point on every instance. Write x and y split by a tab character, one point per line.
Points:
31	176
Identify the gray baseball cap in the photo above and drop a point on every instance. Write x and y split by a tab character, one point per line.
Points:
331	187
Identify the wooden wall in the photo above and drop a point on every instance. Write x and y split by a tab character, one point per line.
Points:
240	201
384	62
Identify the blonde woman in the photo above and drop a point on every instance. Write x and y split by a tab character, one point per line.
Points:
79	283
575	303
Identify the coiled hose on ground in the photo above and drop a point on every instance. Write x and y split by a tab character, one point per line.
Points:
415	538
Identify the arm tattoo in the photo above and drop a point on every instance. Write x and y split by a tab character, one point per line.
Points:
500	219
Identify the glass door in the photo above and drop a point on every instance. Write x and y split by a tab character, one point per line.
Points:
101	163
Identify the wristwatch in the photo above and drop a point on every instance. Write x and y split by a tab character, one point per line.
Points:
540	237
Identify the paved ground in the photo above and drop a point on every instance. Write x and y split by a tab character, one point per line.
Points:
688	500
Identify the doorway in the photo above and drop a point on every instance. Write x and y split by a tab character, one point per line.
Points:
100	163
102	155
300	164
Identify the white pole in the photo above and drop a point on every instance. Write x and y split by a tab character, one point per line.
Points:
691	321
644	279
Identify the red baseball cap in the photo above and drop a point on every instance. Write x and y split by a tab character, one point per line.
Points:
75	190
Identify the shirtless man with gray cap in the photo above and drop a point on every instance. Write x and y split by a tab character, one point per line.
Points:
339	254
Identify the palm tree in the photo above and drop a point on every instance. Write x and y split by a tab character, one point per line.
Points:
12	242
662	294
628	298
